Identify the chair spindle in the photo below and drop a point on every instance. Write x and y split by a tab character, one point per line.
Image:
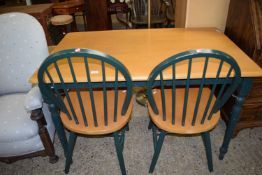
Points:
116	95
90	89
66	93
212	92
200	91
173	93
104	93
220	93
163	95
77	91
58	94
186	92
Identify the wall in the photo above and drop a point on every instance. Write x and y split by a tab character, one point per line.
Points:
207	13
180	13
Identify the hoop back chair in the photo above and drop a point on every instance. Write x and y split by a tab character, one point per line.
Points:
186	104
139	12
93	104
26	126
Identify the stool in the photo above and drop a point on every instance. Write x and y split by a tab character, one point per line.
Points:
71	7
62	21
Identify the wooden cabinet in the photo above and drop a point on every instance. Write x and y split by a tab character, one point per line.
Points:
43	1
2	2
244	27
42	12
97	16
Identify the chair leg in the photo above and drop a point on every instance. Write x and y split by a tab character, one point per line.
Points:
59	127
157	151
70	148
154	135
206	140
127	127
122	137
150	124
119	150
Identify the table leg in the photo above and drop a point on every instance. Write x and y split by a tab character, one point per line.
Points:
59	127
243	91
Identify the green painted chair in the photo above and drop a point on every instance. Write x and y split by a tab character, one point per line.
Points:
190	105
91	105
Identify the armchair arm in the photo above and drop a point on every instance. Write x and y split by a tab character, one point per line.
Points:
38	116
33	99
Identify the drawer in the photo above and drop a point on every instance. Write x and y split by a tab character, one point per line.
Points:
251	112
61	11
78	9
67	11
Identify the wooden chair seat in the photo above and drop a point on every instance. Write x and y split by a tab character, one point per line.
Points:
61	20
87	107
190	105
101	128
177	127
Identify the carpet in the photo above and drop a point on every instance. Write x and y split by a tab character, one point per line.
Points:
179	155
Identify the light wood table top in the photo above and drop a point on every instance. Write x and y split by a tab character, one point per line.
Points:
141	50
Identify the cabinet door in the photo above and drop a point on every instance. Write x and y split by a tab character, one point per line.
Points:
239	27
97	16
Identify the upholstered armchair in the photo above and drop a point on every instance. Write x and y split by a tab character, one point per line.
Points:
26	127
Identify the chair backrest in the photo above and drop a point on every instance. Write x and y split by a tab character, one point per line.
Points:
92	64
140	7
223	80
170	11
23	47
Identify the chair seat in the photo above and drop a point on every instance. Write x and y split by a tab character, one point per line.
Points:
15	125
99	104
61	20
140	20
177	127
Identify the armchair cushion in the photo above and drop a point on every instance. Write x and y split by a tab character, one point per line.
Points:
21	147
15	125
33	99
19	134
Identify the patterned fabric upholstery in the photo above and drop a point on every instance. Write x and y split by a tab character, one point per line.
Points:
19	134
22	50
15	118
33	99
23	47
21	147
